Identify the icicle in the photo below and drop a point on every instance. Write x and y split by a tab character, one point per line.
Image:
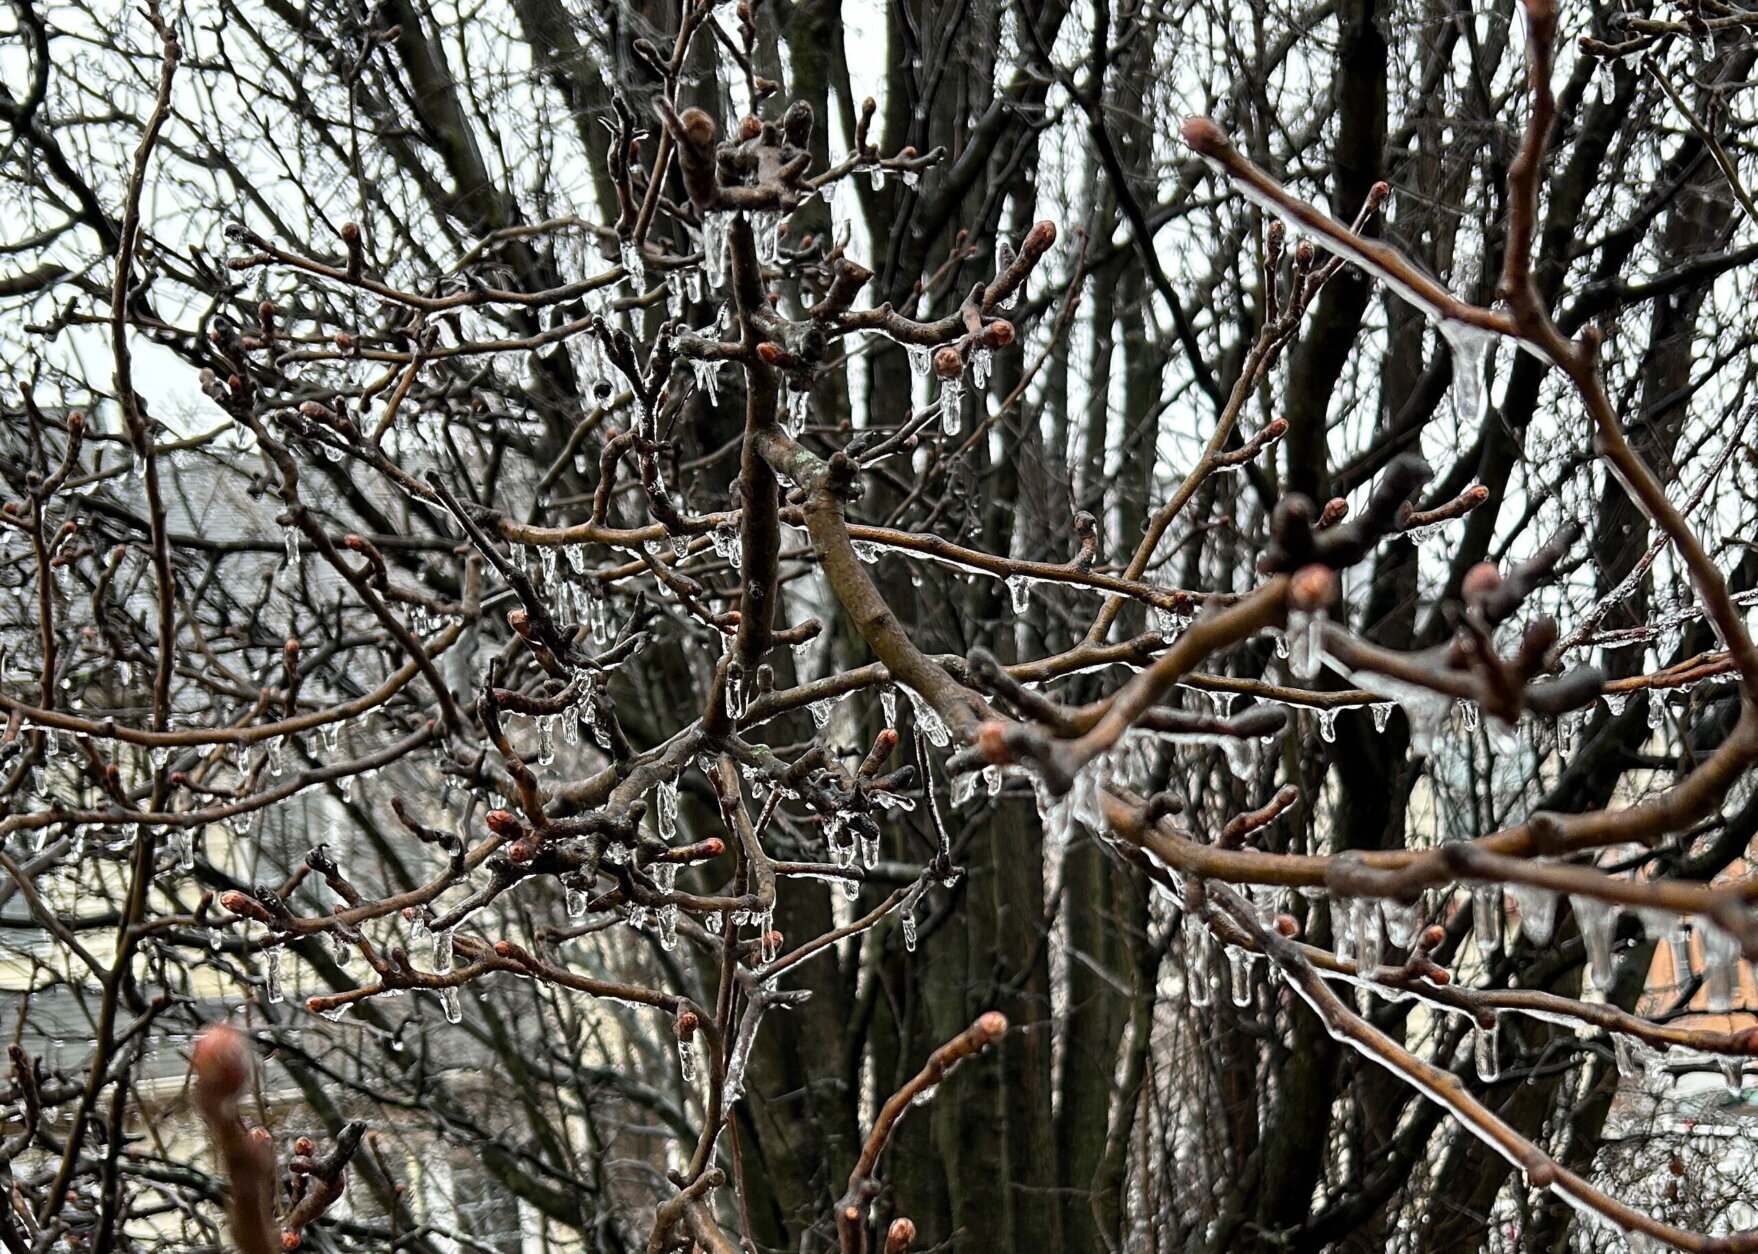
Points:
928	720
1364	922
1469	710
687	1060
888	705
1597	920
1538	912
1721	968
545	739
707	378
667	811
450	1004
184	845
964	787
766	233
668	926
869	842
982	362
1197	970
1305	638
866	550
1402	921
1281	639
1621	1054
921	359
294	552
571	725
576	901
1019	586
714	247
1327	725
1005	256
877	174
1470	345
951	393
820	712
1656	712
1486	1045
992	780
442	951
1615	702
1239	975
276	992
1382	714
1486	917
909	927
1733	1071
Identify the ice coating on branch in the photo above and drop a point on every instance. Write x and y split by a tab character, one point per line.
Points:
633	262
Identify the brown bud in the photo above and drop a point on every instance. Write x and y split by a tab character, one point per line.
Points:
504	823
948	364
749	128
686	1025
1287	925
304	1146
245	905
1312	587
771	354
1038	239
221	1062
698	127
998	334
991	1023
522	851
992	743
713	847
1431	937
1480	581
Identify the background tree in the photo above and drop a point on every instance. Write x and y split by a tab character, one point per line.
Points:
729	550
